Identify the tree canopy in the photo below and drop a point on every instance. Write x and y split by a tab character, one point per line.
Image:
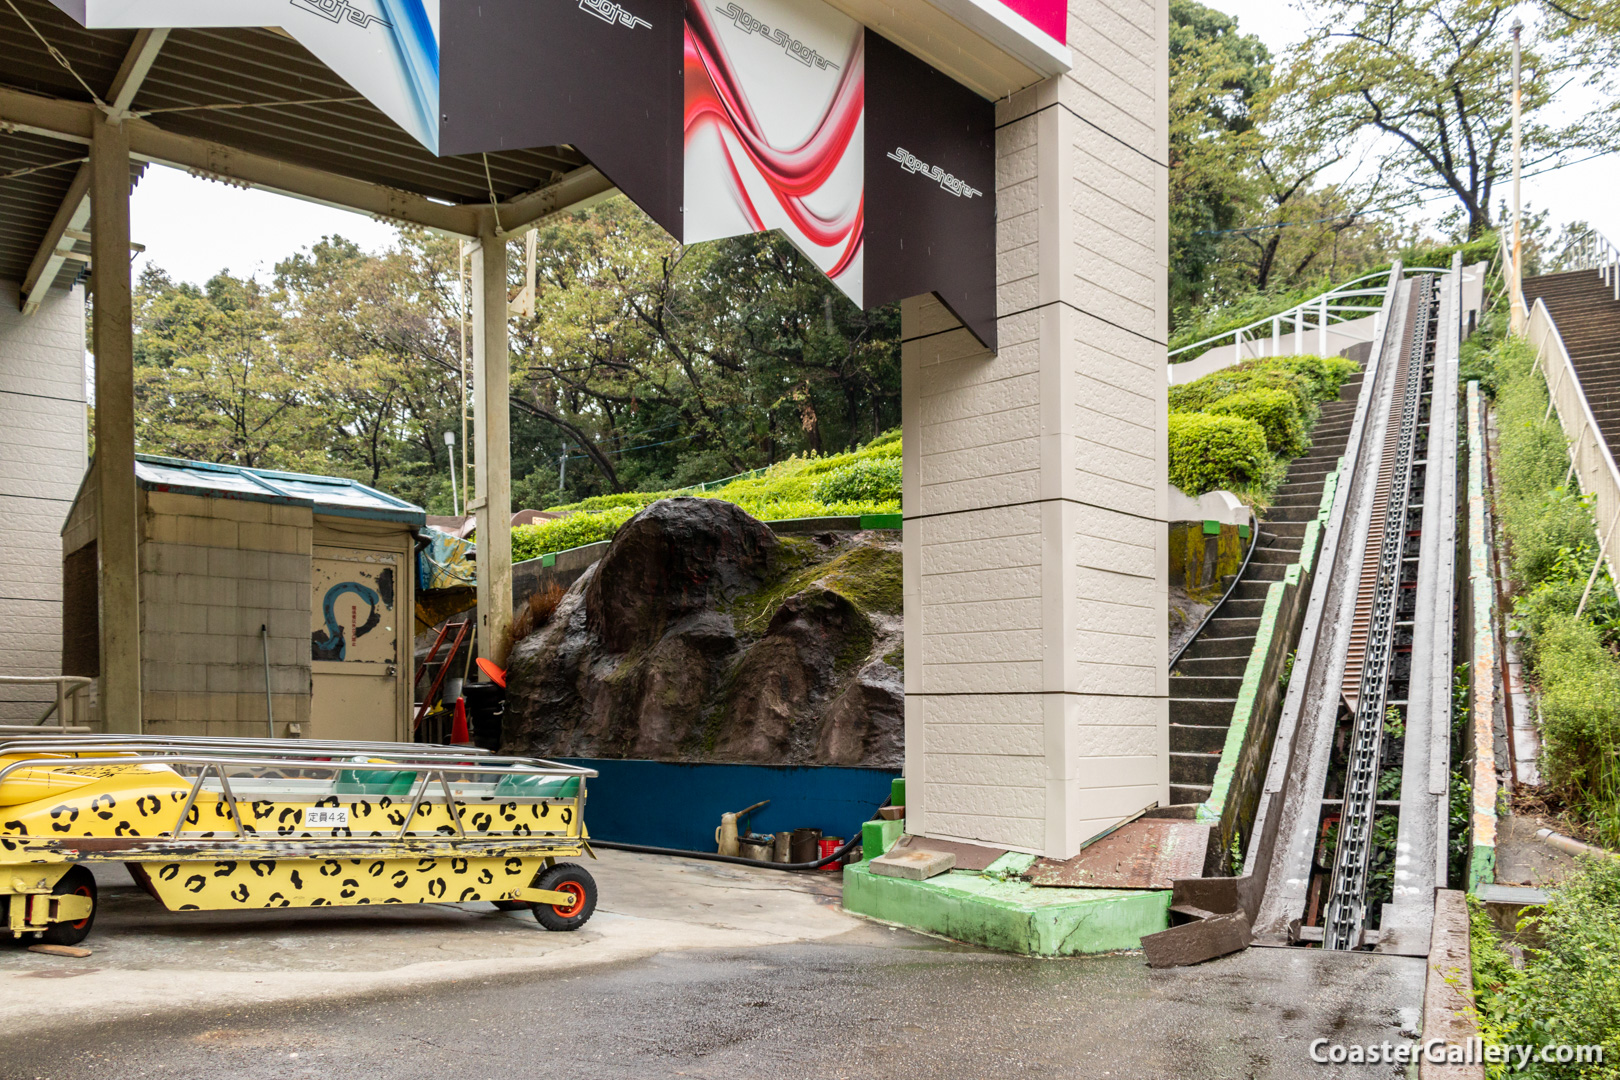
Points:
645	364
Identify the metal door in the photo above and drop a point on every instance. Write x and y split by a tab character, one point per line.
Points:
354	644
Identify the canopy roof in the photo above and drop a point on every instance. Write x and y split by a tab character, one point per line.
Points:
332	495
245	106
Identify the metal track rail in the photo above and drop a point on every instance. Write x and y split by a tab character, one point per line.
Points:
1396	579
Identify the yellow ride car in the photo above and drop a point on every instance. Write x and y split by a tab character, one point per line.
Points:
216	824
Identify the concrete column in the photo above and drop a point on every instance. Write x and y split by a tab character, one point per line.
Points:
1035	479
116	538
492	446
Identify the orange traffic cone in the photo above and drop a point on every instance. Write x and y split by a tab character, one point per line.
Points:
459	735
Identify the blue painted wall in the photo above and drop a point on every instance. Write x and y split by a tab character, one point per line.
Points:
674	805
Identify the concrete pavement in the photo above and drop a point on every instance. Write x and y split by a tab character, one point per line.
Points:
689	969
147	959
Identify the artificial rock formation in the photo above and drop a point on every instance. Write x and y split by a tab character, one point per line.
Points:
703	636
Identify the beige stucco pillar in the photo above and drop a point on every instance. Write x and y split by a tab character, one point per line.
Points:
117	542
492	446
1035	478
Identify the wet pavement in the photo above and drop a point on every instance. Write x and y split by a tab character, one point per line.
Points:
705	971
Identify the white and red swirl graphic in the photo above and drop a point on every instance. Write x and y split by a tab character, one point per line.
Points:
773	128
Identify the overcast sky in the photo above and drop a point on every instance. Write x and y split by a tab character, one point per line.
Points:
195	228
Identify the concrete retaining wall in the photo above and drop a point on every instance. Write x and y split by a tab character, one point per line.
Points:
1478	604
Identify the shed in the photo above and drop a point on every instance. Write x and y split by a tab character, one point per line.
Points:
257	589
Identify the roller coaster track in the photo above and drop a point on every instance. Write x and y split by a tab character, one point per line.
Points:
1399	488
1337	858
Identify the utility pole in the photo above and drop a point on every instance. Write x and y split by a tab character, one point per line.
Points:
1516	295
562	469
461	326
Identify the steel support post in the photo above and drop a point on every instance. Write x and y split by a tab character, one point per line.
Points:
117	541
492	445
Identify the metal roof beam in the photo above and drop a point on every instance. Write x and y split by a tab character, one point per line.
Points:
574	190
71	121
75	208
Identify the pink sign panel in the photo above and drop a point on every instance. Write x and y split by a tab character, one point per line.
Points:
1051	17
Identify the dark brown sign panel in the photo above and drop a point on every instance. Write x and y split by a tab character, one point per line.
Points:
880	168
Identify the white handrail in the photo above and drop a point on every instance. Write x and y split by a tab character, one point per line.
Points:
1317	313
1589	452
1603	255
67	689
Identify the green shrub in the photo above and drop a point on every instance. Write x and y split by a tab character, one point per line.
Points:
1201	393
864	481
1276	411
1325	374
1580	704
598	503
1211	452
1310	379
1569	990
867	480
575	530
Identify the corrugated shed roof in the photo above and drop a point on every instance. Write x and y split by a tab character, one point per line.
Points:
331	495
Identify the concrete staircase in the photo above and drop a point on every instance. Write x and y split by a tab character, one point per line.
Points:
1204	685
1588	319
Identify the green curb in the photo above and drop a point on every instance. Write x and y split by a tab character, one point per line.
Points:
882	521
878	837
1481	866
1010	915
1210	810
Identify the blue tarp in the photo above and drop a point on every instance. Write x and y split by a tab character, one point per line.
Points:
677	805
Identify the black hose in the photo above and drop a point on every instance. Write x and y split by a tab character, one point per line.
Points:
711	856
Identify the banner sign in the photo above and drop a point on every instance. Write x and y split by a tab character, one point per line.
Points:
718	117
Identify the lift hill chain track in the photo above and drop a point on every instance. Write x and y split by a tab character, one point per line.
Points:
1385	663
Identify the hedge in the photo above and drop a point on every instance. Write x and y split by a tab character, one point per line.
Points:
1276	411
864	481
1209	452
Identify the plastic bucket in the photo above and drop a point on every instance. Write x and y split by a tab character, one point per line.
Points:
829	845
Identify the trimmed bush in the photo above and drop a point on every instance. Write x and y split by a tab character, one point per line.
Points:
864	481
575	530
1325	374
871	480
1200	394
1276	411
1210	452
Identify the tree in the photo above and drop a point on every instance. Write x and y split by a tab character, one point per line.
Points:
651	364
1431	81
212	381
1216	74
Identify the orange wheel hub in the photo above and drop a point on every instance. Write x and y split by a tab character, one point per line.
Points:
82	890
577	891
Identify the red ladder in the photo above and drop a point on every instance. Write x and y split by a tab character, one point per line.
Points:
461	629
